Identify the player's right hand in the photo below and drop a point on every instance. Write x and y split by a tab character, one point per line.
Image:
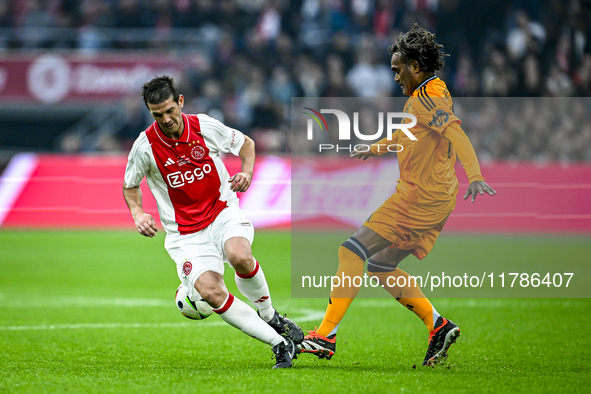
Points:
479	187
146	225
361	155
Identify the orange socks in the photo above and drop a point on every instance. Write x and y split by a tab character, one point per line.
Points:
350	265
406	291
352	255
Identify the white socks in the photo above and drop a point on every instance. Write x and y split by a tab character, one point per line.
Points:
436	316
237	314
254	287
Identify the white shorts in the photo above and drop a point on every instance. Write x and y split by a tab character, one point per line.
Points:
204	250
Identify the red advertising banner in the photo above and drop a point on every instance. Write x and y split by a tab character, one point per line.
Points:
56	78
340	193
52	191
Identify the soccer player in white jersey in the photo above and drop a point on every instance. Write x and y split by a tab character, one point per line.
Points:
179	155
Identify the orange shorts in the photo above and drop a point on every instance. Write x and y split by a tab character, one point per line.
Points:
407	226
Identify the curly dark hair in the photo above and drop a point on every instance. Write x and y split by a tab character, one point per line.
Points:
160	89
419	44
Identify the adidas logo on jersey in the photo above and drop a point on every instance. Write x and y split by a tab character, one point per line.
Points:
169	162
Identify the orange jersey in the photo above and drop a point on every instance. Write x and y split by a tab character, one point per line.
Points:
427	174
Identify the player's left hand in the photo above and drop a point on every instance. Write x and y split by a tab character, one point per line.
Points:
478	187
240	182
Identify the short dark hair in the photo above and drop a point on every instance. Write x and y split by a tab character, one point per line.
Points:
419	44
160	89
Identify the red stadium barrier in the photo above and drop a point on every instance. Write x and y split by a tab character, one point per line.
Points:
530	197
85	192
52	191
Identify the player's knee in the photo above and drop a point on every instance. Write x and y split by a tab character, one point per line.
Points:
352	245
214	295
242	261
212	290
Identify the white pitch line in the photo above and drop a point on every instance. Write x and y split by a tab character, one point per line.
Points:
308	314
104	325
81	301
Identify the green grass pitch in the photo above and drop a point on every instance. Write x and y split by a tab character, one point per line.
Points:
94	312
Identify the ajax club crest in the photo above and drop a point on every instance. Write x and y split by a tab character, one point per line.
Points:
187	267
197	152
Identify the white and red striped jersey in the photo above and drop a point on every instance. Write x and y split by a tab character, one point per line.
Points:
186	176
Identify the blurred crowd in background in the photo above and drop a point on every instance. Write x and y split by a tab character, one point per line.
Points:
245	59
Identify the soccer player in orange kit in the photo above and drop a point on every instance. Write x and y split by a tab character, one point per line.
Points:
412	218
